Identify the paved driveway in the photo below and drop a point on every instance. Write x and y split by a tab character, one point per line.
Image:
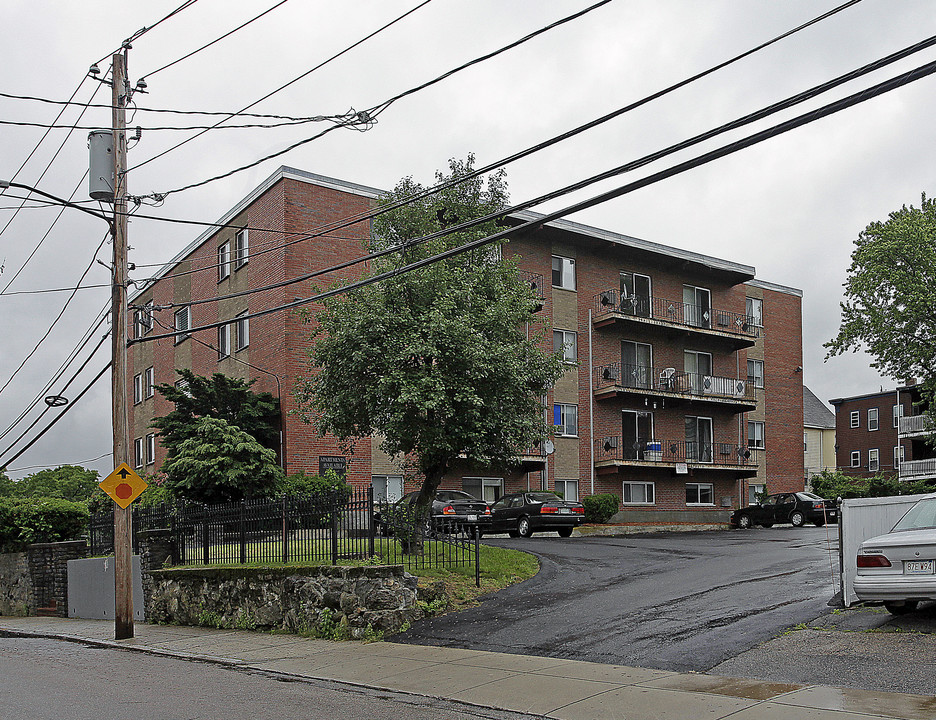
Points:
673	601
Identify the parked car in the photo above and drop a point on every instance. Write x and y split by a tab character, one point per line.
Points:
450	508
796	508
522	514
900	567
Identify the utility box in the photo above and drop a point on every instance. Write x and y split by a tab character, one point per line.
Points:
91	591
101	173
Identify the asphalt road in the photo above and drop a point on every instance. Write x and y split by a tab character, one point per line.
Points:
671	601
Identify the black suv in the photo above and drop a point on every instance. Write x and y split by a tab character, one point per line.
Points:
796	508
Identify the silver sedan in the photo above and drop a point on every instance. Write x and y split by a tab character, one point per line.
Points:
900	567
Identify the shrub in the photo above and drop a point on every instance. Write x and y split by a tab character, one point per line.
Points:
329	484
600	508
835	484
37	520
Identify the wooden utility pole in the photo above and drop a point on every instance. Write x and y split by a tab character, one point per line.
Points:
123	575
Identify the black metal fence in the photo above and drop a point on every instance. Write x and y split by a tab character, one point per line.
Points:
326	528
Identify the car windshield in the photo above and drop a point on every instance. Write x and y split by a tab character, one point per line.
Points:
541	497
919	517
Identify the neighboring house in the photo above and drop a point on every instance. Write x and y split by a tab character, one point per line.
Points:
916	456
818	436
684	382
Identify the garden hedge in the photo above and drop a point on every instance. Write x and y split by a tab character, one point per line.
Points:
24	521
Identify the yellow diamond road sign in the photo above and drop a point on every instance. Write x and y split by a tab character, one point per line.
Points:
123	485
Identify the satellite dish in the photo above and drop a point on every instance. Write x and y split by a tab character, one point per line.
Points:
549	446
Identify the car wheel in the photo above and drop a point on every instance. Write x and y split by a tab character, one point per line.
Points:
744	522
564	531
901	608
798	519
523	527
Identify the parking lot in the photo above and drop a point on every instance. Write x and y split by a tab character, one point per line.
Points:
748	603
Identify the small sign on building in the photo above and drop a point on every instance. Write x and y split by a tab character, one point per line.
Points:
338	463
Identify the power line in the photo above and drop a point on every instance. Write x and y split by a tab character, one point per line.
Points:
705	158
351	117
79	463
142	31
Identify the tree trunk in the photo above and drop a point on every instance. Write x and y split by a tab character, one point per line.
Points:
420	520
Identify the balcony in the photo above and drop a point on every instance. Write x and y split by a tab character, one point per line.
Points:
533	459
611	452
917	469
617	379
915	426
736	329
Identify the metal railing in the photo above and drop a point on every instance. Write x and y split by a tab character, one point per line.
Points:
669	380
671	452
321	528
917	469
912	424
674	312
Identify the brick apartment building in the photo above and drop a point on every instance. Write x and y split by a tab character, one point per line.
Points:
684	383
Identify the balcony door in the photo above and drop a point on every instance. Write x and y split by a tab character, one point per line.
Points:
697	365
697	304
699	439
636	364
635	294
636	432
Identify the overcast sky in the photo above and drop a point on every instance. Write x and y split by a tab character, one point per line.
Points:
791	207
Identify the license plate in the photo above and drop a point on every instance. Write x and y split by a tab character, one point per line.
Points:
918	567
472	518
565	511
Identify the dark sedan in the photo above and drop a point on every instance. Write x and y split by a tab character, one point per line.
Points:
451	509
795	508
522	514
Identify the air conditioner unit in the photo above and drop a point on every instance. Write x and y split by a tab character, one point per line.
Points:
738	389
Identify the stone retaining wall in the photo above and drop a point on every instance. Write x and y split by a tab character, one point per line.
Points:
35	582
15	585
381	598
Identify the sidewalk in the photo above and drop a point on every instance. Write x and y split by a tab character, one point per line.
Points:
562	689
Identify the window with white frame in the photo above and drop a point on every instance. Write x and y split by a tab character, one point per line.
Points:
872	418
755	492
137	389
874	460
143	319
138	458
855	458
854	419
387	488
563	272
898	456
754	309
224	260
565	418
242	329
755	373
755	434
182	321
149	382
224	341
638	493
151	448
805	442
564	344
568	489
489	489
241	249
183	387
700	494
898	412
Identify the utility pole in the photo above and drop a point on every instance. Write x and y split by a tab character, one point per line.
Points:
123	575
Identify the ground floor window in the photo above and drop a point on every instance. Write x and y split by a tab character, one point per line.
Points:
755	491
700	494
484	488
638	493
568	489
387	488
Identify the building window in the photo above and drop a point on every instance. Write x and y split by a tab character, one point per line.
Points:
805	443
755	434
755	492
183	321
387	488
755	373
224	341
241	249
149	383
855	419
143	320
183	387
484	488
898	456
856	459
898	412
564	343
151	448
565	418
138	458
242	328
700	494
137	389
224	260
568	489
872	418
638	493
563	272
874	460
754	309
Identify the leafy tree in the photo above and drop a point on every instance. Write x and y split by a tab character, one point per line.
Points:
436	362
834	484
221	463
890	296
7	486
68	482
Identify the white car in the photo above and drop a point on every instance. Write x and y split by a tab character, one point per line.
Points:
900	567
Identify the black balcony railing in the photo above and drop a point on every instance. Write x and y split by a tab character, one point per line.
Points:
672	381
534	280
674	312
671	452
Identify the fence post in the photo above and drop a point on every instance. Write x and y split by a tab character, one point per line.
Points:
371	528
335	527
285	516
243	532
477	544
206	546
